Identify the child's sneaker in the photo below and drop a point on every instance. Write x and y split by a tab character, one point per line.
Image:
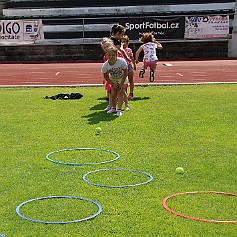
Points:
127	107
131	96
152	76
111	111
107	108
141	74
119	113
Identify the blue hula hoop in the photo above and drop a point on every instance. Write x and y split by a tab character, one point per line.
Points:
59	222
120	186
78	164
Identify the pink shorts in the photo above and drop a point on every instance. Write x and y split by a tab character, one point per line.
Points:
107	87
152	65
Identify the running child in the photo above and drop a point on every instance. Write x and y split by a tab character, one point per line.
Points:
150	58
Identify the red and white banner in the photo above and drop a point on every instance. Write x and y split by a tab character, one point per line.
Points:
20	31
205	27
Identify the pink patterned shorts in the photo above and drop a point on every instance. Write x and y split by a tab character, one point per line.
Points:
152	65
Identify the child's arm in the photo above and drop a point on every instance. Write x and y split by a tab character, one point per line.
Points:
123	52
133	62
104	59
106	78
137	54
159	45
125	74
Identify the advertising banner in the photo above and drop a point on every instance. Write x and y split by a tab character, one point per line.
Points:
162	28
20	31
205	27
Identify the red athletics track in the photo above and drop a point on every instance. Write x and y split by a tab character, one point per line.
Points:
80	74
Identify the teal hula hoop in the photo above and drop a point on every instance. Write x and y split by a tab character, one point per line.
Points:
59	222
83	164
150	178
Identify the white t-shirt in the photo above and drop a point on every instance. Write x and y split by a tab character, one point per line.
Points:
149	52
115	70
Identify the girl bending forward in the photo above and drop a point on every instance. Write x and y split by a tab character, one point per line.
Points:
115	71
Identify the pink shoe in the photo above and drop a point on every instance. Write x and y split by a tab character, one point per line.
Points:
111	111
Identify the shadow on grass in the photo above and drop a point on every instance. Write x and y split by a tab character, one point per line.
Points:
96	117
134	99
99	115
102	98
100	106
141	98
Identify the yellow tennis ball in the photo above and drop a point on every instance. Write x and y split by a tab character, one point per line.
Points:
179	170
98	130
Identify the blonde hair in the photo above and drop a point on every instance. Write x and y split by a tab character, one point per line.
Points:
112	49
106	40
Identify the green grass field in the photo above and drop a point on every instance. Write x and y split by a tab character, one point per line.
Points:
168	126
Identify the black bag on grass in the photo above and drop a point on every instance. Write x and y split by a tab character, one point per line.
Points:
72	96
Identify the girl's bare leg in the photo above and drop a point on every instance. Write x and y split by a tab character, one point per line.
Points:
114	97
120	98
131	82
125	97
113	100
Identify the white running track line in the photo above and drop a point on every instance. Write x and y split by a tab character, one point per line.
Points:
136	84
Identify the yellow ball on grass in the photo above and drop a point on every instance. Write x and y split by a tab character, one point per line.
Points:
179	170
98	130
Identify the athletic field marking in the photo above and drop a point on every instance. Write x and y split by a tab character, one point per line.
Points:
167	64
180	74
